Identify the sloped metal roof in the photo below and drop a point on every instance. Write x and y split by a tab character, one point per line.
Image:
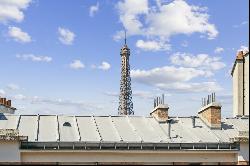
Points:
52	128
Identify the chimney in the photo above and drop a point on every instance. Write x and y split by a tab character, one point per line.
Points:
160	111
8	103
5	106
210	114
240	55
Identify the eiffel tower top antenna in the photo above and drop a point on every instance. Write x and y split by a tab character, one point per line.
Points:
125	39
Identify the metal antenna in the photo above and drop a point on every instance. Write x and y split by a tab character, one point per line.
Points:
163	102
125	36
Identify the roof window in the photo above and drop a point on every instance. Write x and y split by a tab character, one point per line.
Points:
67	124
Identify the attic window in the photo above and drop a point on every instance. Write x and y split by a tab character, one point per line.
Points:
67	124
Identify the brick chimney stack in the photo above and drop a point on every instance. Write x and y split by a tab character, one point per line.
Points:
160	111
5	106
210	113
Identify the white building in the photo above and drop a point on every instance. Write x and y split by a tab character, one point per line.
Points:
240	74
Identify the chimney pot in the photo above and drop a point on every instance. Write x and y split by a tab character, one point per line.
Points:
9	103
4	101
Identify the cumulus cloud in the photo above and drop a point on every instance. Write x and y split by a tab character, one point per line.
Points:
13	86
69	103
93	9
19	97
178	17
34	58
177	79
129	11
18	35
191	87
12	10
76	64
218	50
144	94
202	61
167	74
103	66
152	45
58	102
66	36
162	21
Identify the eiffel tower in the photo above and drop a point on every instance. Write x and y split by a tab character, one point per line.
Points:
125	98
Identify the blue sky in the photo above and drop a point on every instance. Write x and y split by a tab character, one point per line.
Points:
62	57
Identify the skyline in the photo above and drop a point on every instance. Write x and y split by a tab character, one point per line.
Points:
64	58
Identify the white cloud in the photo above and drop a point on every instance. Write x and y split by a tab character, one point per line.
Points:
65	103
19	97
178	17
167	74
241	24
144	94
76	64
104	66
18	35
2	92
129	14
190	87
93	9
66	36
115	94
13	87
159	23
175	79
58	102
12	10
152	45
34	58
118	35
202	61
218	50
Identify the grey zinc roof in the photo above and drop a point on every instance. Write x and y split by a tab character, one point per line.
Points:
53	128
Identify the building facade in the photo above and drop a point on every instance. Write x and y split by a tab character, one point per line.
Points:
240	75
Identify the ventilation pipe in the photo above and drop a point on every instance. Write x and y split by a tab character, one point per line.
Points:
193	121
169	121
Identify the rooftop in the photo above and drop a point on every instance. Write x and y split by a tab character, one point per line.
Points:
62	128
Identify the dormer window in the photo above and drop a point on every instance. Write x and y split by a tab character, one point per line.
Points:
67	124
